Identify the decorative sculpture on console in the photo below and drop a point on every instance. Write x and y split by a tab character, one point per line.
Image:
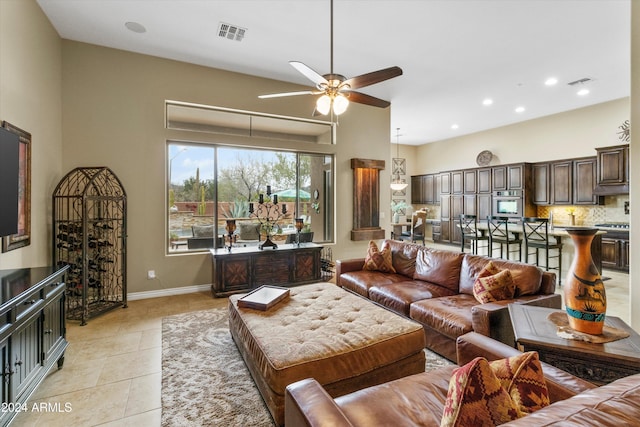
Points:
231	227
268	213
299	226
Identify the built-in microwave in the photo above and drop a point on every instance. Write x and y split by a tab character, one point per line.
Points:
507	203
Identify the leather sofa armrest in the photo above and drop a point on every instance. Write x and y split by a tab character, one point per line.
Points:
562	385
306	403
347	265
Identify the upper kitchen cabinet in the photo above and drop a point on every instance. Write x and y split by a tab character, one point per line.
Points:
423	190
565	182
508	177
612	170
584	182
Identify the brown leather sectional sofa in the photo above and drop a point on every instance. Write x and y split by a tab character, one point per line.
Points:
439	293
418	400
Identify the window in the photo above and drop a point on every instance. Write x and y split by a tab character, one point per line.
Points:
210	183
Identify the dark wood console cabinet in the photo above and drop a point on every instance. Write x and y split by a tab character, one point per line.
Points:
32	332
244	269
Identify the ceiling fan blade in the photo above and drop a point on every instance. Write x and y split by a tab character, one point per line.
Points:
309	73
362	98
278	95
373	77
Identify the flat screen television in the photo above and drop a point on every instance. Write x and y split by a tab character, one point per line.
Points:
9	169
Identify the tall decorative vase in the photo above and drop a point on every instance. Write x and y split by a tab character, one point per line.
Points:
584	293
396	218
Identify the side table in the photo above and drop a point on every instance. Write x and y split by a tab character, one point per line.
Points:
596	363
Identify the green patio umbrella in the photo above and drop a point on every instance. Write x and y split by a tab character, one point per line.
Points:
291	194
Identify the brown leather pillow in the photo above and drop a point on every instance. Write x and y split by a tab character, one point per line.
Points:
439	267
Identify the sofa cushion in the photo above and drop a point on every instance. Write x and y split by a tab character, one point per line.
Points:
404	257
439	267
493	284
526	278
449	315
476	398
399	296
360	281
378	259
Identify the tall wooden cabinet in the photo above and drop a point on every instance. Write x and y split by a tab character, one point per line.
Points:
612	170
566	182
32	332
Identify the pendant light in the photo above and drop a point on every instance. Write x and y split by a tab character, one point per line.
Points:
397	184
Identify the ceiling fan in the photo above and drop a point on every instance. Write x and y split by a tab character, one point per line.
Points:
336	89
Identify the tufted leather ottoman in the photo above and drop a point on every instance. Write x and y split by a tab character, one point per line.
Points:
322	331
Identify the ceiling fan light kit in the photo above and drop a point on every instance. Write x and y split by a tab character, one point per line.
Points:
336	90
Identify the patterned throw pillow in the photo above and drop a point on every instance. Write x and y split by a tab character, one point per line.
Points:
485	393
476	398
522	377
493	284
379	260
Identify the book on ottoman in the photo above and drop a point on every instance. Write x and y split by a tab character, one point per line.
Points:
264	297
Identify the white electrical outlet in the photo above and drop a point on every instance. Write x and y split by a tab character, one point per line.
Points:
151	274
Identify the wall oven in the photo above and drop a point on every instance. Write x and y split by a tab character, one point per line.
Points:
507	203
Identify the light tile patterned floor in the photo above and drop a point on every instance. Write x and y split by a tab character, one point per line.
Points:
112	370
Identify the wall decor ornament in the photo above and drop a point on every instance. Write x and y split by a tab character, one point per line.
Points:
23	236
399	166
625	130
584	293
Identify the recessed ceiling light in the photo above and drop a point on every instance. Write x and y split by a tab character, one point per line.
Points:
583	92
520	109
454	126
135	27
551	81
487	101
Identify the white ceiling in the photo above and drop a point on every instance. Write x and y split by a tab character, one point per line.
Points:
454	53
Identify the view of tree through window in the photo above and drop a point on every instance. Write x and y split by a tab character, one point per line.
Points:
209	184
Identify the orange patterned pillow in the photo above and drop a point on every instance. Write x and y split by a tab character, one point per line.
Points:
476	398
493	284
522	377
379	260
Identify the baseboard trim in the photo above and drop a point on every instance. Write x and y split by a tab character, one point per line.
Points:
168	292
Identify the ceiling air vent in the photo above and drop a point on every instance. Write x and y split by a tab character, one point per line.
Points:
580	81
231	32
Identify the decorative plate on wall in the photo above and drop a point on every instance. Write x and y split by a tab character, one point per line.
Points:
484	158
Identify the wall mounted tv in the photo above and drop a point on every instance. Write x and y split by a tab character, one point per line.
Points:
9	165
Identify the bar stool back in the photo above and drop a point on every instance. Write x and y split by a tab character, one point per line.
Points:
536	236
499	233
469	230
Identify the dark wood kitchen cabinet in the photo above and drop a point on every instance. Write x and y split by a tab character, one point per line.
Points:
509	177
584	182
612	170
32	332
244	269
565	182
423	189
615	250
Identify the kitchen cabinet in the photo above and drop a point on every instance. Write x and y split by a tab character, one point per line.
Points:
612	170
32	332
423	190
457	182
541	186
484	180
509	177
565	182
615	250
470	178
584	182
561	182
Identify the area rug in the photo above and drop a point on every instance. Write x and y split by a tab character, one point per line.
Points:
204	379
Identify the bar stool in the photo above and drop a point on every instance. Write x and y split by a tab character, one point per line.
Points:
536	236
469	230
499	233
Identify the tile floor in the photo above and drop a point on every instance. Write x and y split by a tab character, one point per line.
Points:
112	370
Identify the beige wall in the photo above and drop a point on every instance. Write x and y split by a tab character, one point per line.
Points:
113	116
30	98
571	134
